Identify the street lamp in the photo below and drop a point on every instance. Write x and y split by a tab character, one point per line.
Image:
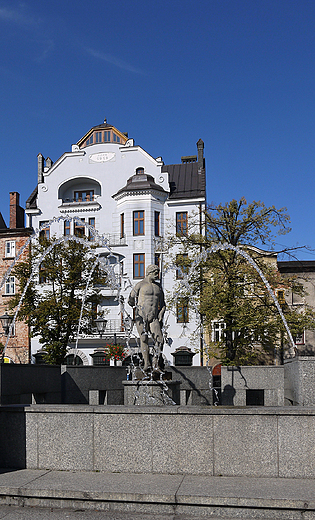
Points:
6	321
100	325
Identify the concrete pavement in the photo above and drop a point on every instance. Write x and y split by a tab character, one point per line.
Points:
142	496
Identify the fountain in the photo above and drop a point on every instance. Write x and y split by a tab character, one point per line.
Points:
142	378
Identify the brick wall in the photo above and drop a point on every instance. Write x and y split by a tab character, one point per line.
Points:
18	346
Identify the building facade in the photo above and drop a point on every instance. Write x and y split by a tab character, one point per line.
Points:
12	239
131	198
304	273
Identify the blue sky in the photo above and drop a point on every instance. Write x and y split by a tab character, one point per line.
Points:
237	73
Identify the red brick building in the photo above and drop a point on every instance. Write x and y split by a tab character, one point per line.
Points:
11	240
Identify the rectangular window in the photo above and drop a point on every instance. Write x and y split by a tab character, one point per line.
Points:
107	136
217	330
89	140
45	232
66	228
280	296
92	224
182	223
84	196
157	223
182	310
138	265
116	139
138	222
299	338
10	249
98	136
157	260
122	225
182	261
10	285
79	229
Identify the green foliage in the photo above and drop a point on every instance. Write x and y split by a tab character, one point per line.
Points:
229	288
52	308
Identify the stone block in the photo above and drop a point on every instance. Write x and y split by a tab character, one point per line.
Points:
182	444
245	445
122	443
65	441
296	446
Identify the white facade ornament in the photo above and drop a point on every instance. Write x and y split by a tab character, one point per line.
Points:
130	142
102	157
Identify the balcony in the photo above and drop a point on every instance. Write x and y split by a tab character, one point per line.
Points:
71	205
112	326
115	239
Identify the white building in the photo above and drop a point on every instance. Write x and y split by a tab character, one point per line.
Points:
118	188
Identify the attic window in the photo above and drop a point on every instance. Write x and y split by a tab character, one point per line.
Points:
140	171
104	136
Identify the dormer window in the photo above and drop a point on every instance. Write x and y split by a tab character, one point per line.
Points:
140	171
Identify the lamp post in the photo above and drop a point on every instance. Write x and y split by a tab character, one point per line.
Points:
6	321
100	325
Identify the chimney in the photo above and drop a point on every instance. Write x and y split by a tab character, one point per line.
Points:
201	161
16	212
41	161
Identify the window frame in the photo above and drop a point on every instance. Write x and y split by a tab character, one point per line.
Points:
12	249
66	227
91	223
77	227
137	221
138	265
157	223
182	310
45	232
89	195
181	223
9	289
184	268
122	225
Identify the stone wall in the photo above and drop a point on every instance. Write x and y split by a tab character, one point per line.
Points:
253	442
239	385
300	381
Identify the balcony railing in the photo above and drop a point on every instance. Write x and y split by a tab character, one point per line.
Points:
78	200
115	239
112	325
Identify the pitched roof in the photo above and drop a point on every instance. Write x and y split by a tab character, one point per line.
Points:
31	202
296	266
2	223
187	180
